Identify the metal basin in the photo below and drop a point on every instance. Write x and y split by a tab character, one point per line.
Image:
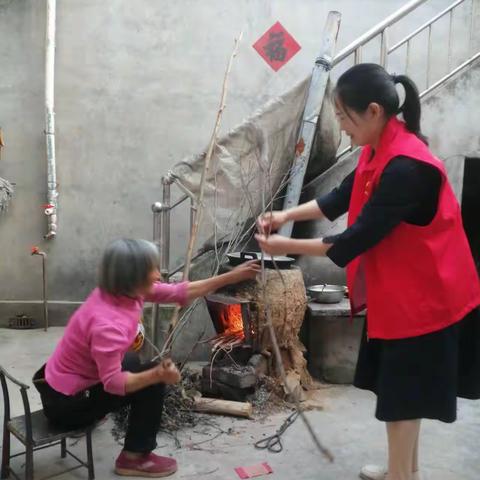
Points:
326	293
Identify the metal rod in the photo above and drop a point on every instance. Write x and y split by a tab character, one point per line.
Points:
182	187
407	65
179	201
38	252
472	24
450	75
162	241
429	53
344	151
374	31
450	38
193	211
384	49
156	227
161	237
425	25
358	56
44	292
180	267
165	230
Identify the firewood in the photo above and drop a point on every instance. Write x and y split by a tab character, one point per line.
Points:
223	407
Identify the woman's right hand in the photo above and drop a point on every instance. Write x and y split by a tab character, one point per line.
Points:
271	221
167	372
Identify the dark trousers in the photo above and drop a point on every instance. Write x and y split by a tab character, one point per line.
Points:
91	405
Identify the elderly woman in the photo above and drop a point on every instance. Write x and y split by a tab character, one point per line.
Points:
91	372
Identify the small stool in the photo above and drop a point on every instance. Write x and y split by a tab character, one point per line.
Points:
35	432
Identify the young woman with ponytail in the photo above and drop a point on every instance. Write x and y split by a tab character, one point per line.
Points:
408	262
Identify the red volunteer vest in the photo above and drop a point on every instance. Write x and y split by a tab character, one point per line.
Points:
417	280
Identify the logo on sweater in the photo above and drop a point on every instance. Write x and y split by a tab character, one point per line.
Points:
139	338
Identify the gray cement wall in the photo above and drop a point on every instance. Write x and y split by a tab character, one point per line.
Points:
137	87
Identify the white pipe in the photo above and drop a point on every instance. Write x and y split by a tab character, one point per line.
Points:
52	194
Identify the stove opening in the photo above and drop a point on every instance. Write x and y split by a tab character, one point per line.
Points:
231	318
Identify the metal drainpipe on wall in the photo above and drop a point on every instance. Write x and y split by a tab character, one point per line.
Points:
52	194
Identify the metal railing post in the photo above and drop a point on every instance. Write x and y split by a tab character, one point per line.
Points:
474	44
161	237
193	212
358	56
429	56
407	61
384	49
165	229
450	35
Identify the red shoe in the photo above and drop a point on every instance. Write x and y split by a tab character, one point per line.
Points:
148	465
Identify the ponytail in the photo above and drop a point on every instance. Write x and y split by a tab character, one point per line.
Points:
411	108
368	83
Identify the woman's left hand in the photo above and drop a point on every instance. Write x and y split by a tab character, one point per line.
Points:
273	244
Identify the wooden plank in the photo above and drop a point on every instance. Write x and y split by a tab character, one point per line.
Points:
316	94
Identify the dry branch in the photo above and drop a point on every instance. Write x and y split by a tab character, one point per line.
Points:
276	349
199	202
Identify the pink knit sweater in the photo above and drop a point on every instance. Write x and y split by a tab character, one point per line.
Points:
97	337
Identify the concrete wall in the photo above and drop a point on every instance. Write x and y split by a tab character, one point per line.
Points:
137	87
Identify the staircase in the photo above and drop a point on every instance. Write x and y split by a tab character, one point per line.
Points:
443	57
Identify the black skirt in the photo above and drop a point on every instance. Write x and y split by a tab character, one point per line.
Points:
421	377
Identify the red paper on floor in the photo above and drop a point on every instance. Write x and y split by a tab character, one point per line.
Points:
254	470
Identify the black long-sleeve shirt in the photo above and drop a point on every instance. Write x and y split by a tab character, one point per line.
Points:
408	191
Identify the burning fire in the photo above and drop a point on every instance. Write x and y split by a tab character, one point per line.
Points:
231	320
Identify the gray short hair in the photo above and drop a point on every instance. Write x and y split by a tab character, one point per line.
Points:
126	264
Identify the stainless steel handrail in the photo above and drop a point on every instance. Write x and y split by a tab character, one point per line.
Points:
376	30
381	29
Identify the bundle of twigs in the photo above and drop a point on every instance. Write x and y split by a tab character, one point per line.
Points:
177	408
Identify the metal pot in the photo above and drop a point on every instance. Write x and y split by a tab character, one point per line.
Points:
238	258
326	293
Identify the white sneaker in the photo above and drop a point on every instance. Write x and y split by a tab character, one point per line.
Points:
375	472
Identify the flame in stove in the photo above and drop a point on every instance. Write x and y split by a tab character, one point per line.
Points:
231	320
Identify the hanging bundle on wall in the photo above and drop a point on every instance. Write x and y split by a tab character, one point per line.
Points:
6	188
6	194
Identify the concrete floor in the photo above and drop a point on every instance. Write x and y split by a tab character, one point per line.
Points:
346	424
